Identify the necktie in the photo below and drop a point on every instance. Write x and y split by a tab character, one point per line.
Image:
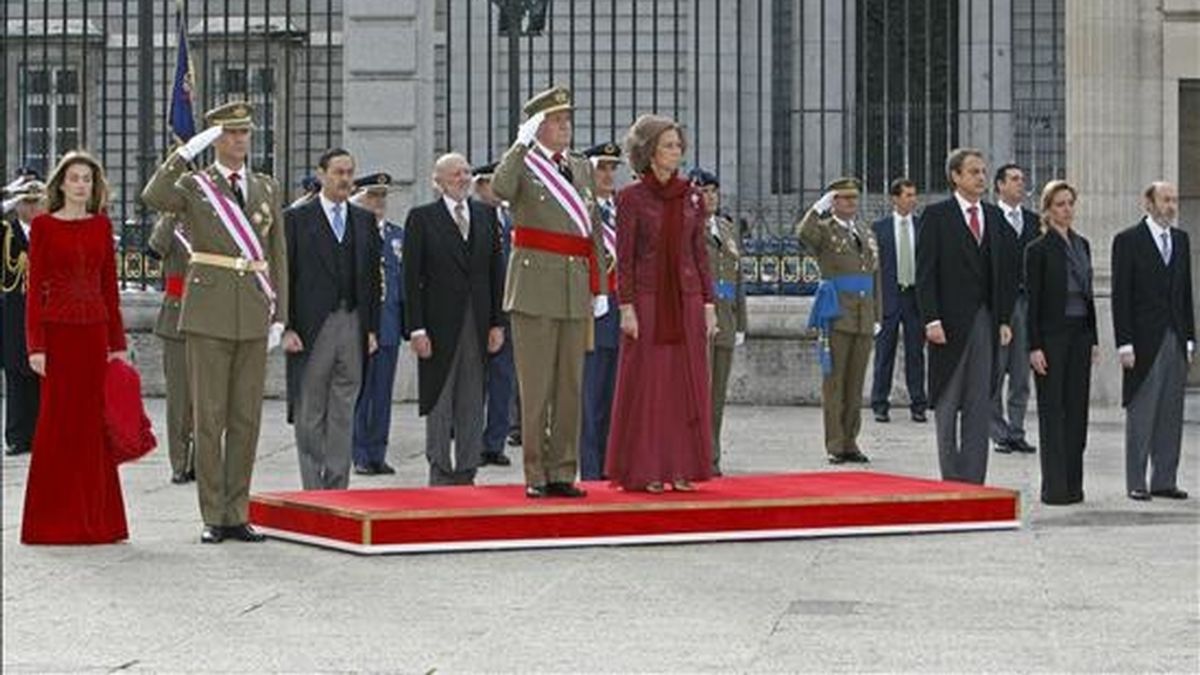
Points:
854	233
904	271
973	223
339	223
460	219
234	183
1014	217
1166	247
563	168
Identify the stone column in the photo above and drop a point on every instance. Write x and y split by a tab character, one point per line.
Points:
388	108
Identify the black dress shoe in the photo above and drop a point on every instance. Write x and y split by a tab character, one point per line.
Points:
179	477
212	534
564	490
191	475
919	416
1139	495
514	439
365	469
836	459
1022	446
535	491
244	532
383	468
1170	493
882	416
1004	447
857	457
496	459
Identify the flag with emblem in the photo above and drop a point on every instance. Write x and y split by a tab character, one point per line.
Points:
181	118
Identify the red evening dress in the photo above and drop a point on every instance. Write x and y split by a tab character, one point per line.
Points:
73	494
662	416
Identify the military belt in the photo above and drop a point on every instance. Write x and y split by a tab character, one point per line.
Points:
229	262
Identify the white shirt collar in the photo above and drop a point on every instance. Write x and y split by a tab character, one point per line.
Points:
328	205
1009	208
963	205
450	204
547	151
849	224
226	171
1156	229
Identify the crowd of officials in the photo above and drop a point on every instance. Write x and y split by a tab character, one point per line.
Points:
592	324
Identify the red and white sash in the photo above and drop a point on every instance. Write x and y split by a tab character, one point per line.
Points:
563	191
238	227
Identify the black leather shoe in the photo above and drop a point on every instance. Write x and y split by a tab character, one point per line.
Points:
514	440
564	490
383	468
365	469
244	532
496	459
212	534
535	491
1022	446
1170	493
882	416
857	457
1139	495
191	475
836	459
179	477
919	416
1004	447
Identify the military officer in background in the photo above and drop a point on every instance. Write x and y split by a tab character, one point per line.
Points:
725	258
168	243
24	198
554	287
373	409
501	374
846	309
234	306
600	365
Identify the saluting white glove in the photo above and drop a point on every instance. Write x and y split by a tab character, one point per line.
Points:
274	336
200	141
825	202
599	306
527	132
739	338
876	328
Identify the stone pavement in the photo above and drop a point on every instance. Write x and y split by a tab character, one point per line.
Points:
1110	585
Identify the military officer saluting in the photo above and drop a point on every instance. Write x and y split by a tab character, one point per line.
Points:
846	310
168	241
233	309
24	197
725	259
554	287
373	410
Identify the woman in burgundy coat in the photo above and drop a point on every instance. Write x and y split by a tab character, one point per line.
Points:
661	419
73	325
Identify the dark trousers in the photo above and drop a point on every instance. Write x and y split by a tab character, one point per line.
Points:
1062	398
909	318
501	385
599	384
373	410
21	392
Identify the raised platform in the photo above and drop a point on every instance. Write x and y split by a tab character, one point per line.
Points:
775	506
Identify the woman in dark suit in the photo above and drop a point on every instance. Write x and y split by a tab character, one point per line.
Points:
1062	342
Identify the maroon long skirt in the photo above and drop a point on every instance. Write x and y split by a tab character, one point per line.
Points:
73	495
662	415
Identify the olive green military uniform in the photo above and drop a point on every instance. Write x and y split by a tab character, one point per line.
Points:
179	400
549	301
845	249
225	318
725	258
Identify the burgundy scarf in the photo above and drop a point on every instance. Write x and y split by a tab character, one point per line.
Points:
668	306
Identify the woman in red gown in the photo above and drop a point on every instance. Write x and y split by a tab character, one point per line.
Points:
73	325
661	419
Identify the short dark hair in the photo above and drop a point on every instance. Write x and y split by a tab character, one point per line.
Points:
957	158
899	185
1002	173
332	154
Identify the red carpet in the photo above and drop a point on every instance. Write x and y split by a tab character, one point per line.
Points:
775	506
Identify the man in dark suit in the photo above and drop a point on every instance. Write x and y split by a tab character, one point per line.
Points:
453	279
1155	325
897	235
373	411
333	281
1013	359
501	371
963	257
24	197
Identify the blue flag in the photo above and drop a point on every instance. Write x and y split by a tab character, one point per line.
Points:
180	117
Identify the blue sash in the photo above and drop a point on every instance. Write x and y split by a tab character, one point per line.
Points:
826	310
726	290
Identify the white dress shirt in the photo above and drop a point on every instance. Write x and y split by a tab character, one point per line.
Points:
226	172
1009	212
912	239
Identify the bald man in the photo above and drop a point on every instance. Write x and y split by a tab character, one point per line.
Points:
453	281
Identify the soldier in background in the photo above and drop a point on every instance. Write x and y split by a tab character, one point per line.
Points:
169	242
24	197
725	259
